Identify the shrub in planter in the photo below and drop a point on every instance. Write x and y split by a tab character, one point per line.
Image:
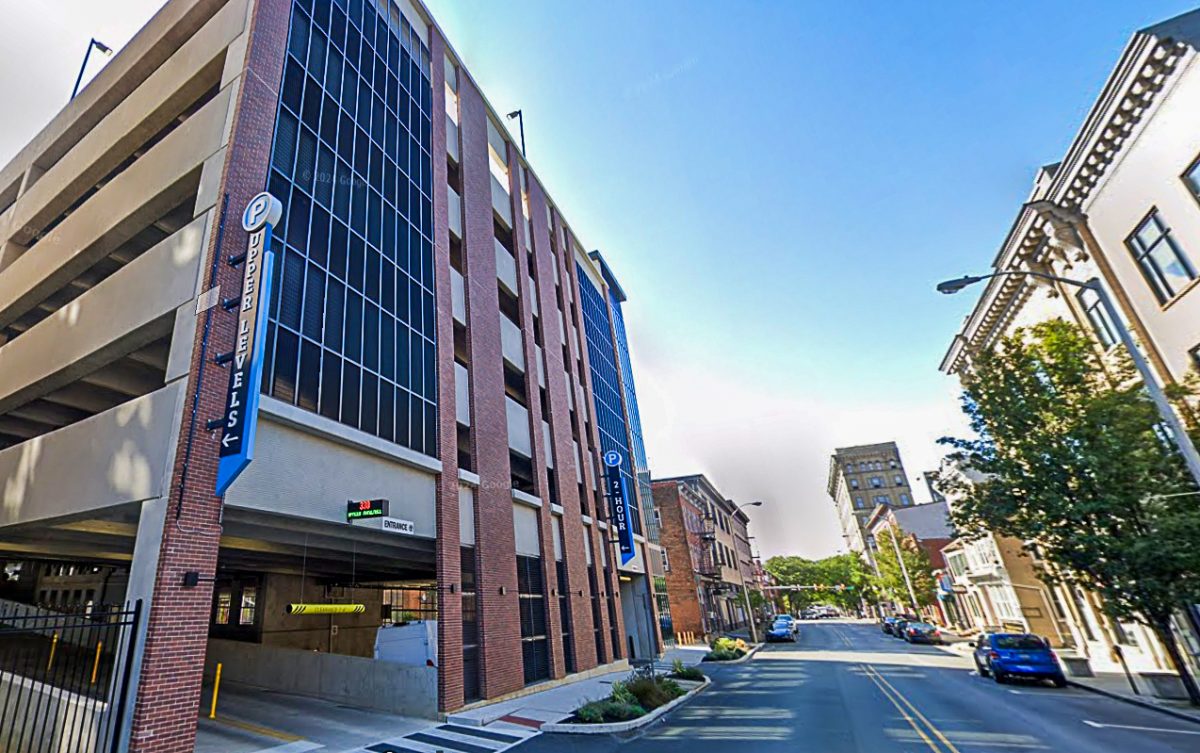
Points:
622	694
608	710
723	644
652	692
726	649
591	713
681	672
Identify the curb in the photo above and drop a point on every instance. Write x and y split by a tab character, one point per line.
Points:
749	655
614	727
1136	702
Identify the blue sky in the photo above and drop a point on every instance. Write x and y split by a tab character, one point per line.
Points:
778	186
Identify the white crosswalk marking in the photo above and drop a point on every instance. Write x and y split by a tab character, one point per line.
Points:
454	738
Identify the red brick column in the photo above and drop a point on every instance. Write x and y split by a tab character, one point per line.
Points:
495	549
574	554
538	443
165	713
449	554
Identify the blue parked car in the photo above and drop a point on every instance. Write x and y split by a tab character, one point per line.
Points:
1003	656
781	630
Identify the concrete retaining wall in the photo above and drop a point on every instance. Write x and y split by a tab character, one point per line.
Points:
47	718
353	680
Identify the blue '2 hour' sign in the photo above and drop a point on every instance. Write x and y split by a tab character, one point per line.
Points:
618	504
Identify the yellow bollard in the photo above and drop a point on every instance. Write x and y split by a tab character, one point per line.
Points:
212	712
53	648
96	664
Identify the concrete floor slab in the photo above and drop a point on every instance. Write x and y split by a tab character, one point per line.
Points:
250	720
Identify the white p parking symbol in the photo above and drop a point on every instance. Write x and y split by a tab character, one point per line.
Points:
263	209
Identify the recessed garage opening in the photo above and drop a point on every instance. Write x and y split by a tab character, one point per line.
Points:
341	613
66	633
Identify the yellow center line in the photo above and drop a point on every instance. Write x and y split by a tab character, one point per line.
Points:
937	732
911	722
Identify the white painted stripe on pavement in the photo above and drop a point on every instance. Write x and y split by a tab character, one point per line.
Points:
299	746
1098	725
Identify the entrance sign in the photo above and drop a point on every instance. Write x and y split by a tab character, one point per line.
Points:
245	372
358	509
618	504
395	525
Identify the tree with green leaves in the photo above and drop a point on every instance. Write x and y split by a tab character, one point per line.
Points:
845	570
1073	459
890	581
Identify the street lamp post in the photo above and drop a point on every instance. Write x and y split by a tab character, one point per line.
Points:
99	46
904	571
520	116
1165	410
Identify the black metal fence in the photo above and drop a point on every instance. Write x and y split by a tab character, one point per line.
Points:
63	677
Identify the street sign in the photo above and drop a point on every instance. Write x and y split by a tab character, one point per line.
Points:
612	459
618	505
396	525
358	509
245	372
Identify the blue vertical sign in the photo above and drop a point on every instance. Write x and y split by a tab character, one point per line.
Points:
245	373
618	503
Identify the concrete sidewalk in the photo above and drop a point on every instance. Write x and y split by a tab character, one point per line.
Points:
1116	685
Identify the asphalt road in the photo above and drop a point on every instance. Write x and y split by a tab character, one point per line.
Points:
847	688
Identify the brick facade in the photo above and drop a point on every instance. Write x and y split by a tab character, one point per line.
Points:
449	552
567	490
683	553
499	618
164	718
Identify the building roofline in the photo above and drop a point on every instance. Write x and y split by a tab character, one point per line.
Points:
1145	68
609	276
497	118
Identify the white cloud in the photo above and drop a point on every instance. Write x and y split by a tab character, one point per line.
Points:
759	444
43	45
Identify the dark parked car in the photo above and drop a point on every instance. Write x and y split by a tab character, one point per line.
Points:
887	623
921	632
898	627
1004	656
781	630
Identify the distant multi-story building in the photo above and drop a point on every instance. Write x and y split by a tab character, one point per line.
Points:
860	479
437	345
708	555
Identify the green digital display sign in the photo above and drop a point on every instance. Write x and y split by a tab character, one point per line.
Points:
358	509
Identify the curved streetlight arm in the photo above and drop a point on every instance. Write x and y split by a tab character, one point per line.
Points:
1166	411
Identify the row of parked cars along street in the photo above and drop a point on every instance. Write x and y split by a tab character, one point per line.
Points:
998	655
